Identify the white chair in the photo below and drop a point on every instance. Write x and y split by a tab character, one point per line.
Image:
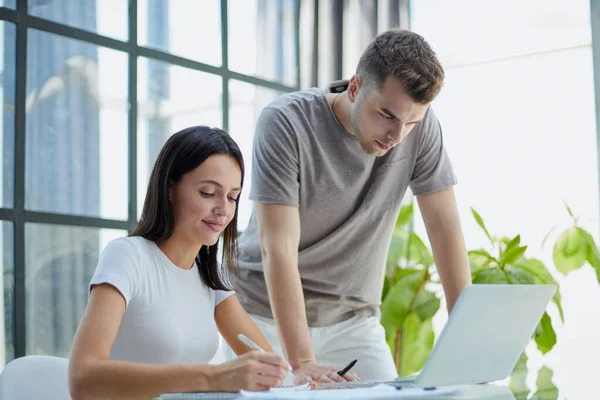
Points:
35	377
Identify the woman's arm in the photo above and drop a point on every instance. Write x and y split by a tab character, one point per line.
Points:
91	373
232	320
93	376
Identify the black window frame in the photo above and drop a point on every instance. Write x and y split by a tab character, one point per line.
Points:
18	214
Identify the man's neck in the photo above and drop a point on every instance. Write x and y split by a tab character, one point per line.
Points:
340	105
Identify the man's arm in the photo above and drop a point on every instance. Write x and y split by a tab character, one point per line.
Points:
232	319
279	229
442	221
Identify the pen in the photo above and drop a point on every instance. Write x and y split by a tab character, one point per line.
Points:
347	368
244	339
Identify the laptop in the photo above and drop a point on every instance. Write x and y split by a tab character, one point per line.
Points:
487	330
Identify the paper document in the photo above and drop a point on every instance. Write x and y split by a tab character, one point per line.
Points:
200	396
376	392
285	389
228	396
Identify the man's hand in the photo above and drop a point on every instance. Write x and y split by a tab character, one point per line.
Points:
313	373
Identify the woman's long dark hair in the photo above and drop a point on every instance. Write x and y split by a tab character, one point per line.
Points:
183	152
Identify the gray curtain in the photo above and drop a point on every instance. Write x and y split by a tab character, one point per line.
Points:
333	34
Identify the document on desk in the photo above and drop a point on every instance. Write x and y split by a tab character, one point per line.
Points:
200	396
376	392
227	395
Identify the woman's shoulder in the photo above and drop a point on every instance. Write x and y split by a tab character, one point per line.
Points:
125	257
128	246
129	243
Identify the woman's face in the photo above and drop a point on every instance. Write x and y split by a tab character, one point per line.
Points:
204	200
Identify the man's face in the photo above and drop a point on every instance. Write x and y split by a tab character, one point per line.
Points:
381	119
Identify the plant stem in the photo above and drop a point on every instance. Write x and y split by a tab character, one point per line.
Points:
397	350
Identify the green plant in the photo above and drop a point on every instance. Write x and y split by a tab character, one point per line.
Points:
411	289
408	304
510	265
574	247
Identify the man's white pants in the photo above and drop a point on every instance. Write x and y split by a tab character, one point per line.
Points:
361	338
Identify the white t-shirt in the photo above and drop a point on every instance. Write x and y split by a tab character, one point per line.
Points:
169	316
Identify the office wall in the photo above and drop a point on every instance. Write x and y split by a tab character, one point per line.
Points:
518	117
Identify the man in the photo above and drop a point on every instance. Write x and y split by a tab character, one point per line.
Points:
330	169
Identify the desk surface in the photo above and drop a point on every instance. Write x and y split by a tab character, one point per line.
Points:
490	392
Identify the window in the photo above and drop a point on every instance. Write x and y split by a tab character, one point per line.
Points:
262	36
91	91
7	352
59	263
105	17
245	103
76	127
187	29
7	113
171	98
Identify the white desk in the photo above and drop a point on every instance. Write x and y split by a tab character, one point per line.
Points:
488	392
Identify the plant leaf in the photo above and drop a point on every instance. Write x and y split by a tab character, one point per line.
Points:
542	276
512	255
480	260
417	342
490	276
513	243
544	334
426	305
400	273
399	297
397	248
483	253
478	264
481	224
592	253
386	287
419	253
536	268
518	379
405	216
546	390
568	209
518	275
570	252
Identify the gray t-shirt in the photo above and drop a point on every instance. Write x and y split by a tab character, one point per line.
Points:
348	202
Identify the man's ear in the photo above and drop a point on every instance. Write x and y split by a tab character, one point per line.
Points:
353	88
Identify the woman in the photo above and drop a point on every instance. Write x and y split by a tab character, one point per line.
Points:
157	298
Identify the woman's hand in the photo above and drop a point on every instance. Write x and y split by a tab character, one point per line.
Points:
254	371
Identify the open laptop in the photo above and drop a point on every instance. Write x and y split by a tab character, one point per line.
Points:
487	330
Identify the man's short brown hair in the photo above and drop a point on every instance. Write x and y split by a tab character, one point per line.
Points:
406	56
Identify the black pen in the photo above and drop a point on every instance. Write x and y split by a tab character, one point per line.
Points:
347	368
